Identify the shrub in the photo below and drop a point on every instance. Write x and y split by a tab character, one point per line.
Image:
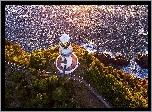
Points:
37	59
111	83
59	94
14	53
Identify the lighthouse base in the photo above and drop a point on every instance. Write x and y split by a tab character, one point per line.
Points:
71	68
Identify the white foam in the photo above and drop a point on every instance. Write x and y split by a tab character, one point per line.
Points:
146	52
134	69
89	47
110	53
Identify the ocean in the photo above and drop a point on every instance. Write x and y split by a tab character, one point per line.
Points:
112	29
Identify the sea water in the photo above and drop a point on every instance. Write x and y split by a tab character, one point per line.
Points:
115	29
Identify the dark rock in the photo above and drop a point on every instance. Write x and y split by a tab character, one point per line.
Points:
103	58
142	61
119	61
107	60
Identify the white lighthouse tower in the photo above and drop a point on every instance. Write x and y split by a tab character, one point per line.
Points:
67	61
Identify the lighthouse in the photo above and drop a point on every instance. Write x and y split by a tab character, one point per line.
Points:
67	61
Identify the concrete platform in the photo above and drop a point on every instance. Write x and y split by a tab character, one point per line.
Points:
70	69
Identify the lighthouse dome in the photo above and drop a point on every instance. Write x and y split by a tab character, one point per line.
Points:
64	38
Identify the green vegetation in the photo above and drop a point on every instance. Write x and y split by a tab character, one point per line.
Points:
13	53
38	90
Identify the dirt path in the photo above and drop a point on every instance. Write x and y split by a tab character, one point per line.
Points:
86	98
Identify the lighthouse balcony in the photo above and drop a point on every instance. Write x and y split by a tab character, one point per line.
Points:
71	68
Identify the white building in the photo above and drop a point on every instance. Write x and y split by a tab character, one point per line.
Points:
67	61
